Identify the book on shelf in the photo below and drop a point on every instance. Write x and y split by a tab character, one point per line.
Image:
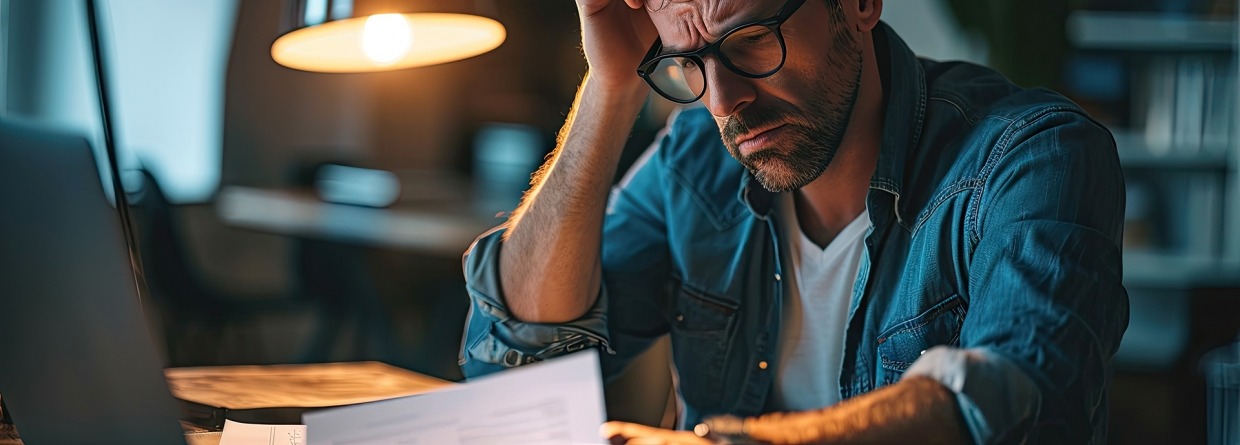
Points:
1203	217
1189	97
1158	96
1186	104
1218	126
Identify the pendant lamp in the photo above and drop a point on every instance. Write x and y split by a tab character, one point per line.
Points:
354	36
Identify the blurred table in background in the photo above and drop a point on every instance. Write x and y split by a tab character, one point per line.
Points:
390	276
445	225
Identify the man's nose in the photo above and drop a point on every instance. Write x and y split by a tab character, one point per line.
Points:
726	92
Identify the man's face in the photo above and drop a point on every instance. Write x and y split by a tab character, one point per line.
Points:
787	127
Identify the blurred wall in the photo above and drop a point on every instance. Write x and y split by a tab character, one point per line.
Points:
167	66
48	73
165	61
279	120
931	31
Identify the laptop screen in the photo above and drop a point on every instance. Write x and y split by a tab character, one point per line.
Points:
77	362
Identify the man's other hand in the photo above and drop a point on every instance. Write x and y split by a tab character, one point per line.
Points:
634	434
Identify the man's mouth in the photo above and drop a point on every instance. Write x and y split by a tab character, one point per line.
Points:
754	140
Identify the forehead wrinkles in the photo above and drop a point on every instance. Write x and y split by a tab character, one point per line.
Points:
687	25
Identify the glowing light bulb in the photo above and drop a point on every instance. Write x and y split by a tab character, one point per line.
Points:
386	38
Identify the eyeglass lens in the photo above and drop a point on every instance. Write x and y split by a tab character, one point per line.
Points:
753	51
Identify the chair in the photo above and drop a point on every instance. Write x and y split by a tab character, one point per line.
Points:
198	316
338	275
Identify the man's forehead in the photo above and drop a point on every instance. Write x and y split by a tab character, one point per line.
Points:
688	24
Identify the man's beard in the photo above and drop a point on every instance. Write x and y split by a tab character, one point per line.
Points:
810	137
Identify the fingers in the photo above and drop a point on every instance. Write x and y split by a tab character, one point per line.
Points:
592	5
612	430
634	434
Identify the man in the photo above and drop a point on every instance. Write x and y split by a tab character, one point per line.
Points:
907	251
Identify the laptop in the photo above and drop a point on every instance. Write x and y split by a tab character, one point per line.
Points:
77	362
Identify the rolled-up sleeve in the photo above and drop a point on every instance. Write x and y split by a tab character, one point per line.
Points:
629	313
991	391
494	340
1047	307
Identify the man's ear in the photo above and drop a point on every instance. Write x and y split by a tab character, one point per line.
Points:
868	13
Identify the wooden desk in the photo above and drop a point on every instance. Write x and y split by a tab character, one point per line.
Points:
8	436
444	226
232	391
296	386
280	393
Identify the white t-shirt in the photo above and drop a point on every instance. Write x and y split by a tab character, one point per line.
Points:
817	291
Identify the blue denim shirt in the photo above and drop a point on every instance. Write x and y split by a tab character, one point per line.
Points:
993	264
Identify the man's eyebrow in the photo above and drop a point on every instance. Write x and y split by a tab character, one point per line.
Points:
753	18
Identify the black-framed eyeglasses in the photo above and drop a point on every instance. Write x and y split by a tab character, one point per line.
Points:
754	50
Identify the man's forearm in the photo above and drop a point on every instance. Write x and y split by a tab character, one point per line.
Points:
915	410
549	263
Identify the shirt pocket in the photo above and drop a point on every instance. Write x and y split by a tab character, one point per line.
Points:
701	325
900	345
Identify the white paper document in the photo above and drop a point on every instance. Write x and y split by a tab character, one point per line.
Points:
237	433
559	401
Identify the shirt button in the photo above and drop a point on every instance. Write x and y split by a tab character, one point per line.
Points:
680	317
512	358
762	364
776	277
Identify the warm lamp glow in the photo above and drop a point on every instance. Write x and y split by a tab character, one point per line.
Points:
387	42
386	38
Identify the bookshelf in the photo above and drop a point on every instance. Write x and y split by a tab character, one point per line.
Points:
1177	140
1148	31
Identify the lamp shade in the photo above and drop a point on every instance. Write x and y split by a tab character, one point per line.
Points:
353	36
